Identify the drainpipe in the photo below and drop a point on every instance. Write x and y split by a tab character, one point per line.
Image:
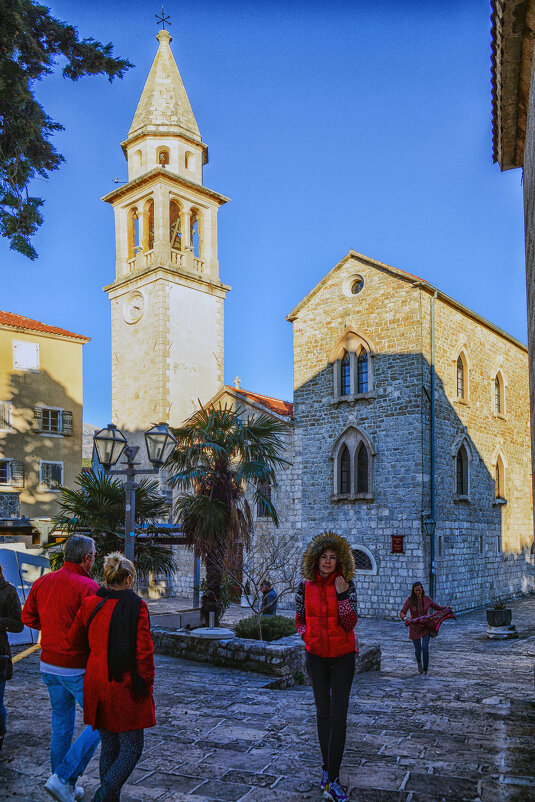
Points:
432	488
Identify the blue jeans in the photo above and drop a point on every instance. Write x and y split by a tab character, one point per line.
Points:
68	759
3	714
421	649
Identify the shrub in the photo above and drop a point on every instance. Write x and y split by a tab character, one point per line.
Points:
273	627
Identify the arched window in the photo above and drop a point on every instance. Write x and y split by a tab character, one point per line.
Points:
189	161
353	454
148	226
499	478
133	232
460	377
497	395
352	363
175	233
362	560
162	156
461	472
345	471
138	160
345	374
195	241
362	371
362	469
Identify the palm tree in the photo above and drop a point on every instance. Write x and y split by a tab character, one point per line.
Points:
219	454
98	505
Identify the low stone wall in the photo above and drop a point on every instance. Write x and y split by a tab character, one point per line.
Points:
284	660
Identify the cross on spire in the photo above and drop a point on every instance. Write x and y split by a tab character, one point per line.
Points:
237	382
162	19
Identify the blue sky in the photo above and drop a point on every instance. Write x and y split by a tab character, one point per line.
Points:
363	124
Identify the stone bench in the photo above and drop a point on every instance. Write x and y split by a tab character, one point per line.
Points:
284	659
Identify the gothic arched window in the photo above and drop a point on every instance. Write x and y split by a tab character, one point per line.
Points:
195	233
353	454
345	471
460	377
361	469
345	374
362	371
500	478
461	472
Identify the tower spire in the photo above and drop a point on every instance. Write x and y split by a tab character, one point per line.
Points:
164	106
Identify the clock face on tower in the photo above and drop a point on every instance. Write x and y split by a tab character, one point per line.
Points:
133	306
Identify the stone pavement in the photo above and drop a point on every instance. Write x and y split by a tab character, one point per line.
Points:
464	733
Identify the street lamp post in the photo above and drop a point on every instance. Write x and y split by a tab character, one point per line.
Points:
110	444
429	525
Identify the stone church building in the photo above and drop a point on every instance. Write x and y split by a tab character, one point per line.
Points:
409	429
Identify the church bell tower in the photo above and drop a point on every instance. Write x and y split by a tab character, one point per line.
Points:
167	301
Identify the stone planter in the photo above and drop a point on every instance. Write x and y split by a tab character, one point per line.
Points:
499	625
499	618
282	660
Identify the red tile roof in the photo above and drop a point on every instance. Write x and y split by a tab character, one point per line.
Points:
20	322
274	404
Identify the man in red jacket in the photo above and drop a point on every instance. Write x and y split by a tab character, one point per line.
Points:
51	606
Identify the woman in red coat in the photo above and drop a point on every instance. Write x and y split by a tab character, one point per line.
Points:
326	615
418	604
120	672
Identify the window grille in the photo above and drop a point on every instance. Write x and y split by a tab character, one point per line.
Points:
261	507
362	560
461	472
498	395
345	375
362	469
362	372
51	475
345	472
460	378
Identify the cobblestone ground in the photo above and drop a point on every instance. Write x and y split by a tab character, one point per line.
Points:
464	733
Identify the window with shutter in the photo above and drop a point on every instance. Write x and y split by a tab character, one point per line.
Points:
67	423
38	419
17	473
25	355
51	475
5	471
6	410
51	420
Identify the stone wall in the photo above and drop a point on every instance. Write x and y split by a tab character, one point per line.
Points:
283	659
529	224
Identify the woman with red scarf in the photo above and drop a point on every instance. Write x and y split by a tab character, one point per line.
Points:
120	672
326	615
419	604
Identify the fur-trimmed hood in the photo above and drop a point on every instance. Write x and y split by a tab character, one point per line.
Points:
328	540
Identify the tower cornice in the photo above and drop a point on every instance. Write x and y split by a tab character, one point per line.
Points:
144	277
155	132
159	173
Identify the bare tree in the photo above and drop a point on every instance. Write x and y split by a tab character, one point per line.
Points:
274	556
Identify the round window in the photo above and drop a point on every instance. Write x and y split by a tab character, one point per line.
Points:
357	285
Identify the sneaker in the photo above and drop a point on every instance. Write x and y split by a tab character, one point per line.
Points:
78	792
324	779
59	790
335	792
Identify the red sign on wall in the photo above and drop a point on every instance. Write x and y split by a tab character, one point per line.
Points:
397	544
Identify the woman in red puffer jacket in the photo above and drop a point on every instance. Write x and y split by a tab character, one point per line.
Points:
326	615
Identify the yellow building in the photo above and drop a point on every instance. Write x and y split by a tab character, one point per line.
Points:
41	397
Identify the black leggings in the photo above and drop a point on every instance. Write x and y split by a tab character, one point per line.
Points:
331	679
119	753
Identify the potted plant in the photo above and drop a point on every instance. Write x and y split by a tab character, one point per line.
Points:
499	615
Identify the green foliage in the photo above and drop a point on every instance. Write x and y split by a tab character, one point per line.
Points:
219	454
228	591
273	627
98	508
31	40
299	678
